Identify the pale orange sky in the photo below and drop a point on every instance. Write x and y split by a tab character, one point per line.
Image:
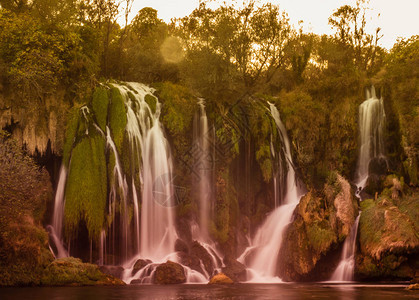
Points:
398	18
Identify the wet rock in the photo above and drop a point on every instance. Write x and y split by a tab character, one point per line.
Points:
115	271
190	261
235	270
169	273
199	251
220	278
139	264
72	271
377	170
181	246
413	287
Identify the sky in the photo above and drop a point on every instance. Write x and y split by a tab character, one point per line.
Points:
398	18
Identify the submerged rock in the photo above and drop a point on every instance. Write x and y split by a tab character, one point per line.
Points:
169	273
72	271
220	278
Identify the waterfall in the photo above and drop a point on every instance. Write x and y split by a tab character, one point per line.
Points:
371	126
55	230
145	133
345	269
264	248
202	167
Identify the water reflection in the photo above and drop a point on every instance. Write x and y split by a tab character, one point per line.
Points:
235	291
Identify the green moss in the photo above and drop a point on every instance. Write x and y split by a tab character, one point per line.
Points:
86	190
70	133
151	101
411	166
320	236
72	271
371	223
263	156
178	106
100	103
117	118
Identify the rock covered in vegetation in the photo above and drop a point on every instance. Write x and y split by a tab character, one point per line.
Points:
220	278
73	272
24	191
388	235
169	273
321	221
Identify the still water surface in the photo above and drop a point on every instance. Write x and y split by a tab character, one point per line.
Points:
201	291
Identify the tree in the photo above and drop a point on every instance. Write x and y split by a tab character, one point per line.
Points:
350	24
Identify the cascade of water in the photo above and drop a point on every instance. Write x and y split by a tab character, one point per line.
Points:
119	184
345	269
202	166
55	229
158	234
268	239
371	126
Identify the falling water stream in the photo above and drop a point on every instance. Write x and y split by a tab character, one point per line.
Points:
266	244
371	126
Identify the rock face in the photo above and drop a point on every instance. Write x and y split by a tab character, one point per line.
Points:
169	273
72	271
220	278
388	235
321	221
196	257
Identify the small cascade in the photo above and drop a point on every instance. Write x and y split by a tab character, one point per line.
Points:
345	269
55	230
371	126
264	247
203	167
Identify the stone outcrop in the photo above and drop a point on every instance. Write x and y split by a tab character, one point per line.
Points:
321	222
169	273
388	235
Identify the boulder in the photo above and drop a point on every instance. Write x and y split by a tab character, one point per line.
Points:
220	278
72	271
234	270
200	252
388	240
139	264
190	261
169	273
